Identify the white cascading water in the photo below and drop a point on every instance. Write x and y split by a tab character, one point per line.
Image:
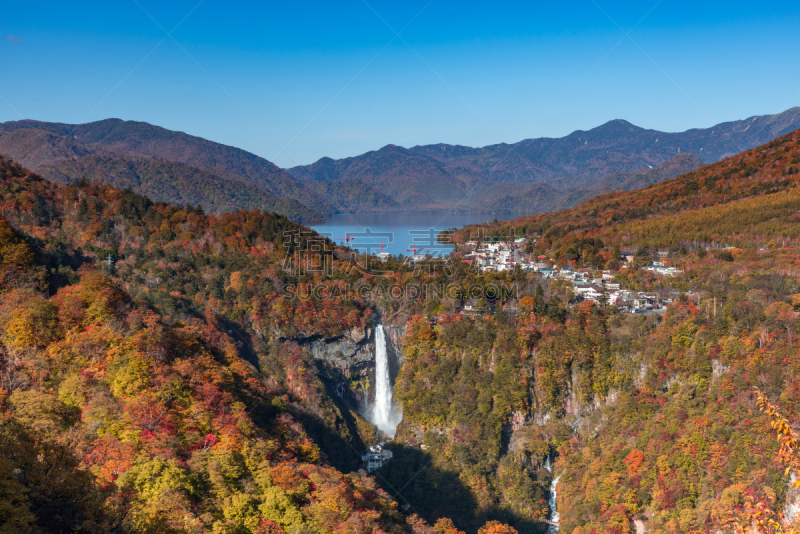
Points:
792	507
384	412
554	518
548	464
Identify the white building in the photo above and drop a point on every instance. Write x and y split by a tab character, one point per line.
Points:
662	270
375	458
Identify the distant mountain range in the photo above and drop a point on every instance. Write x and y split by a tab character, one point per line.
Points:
596	160
165	165
745	200
542	197
527	177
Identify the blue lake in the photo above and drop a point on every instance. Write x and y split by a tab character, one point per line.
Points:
400	233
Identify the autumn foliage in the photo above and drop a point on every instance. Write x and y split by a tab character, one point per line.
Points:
155	371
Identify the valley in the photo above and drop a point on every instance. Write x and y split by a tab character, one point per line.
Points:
399	268
230	371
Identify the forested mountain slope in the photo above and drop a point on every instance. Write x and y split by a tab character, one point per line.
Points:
156	142
177	389
616	146
530	176
61	157
743	200
672	168
545	197
128	407
486	178
156	372
653	421
155	160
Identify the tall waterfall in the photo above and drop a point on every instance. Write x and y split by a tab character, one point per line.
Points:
384	412
554	517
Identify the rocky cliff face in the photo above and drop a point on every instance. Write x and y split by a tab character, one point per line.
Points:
394	334
353	349
348	362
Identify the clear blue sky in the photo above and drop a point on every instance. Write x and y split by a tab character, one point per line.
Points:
332	79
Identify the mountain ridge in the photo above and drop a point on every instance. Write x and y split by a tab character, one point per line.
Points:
734	202
63	159
132	139
579	158
157	369
391	178
541	197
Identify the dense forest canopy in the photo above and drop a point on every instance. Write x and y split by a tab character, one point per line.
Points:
156	376
153	355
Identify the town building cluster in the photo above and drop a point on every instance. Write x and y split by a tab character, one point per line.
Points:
499	256
604	291
504	256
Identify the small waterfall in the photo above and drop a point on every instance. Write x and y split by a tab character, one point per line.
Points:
554	518
384	412
792	507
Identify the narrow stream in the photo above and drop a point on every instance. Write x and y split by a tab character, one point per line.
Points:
554	525
552	501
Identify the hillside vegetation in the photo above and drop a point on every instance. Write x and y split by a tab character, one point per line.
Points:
545	197
156	376
63	158
554	173
178	184
125	407
653	421
545	174
170	390
757	186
